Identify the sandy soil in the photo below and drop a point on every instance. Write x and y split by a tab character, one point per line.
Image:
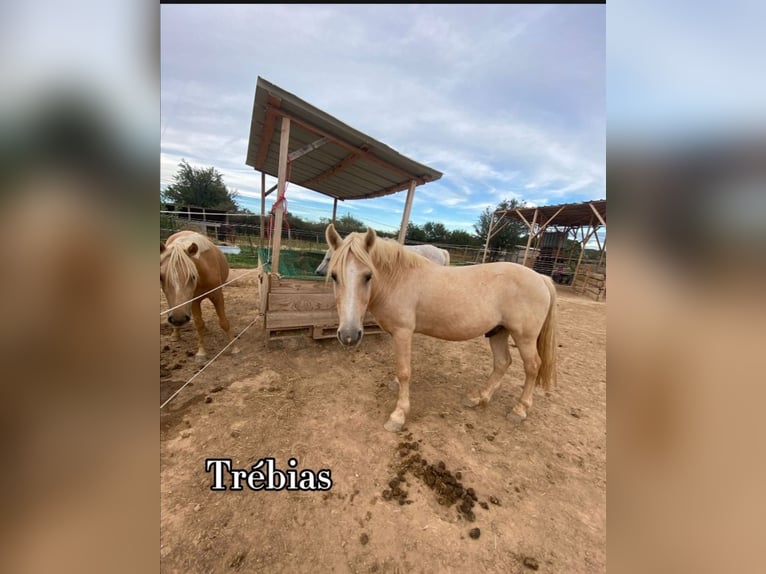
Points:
325	406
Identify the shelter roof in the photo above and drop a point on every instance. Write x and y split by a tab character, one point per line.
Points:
326	155
565	215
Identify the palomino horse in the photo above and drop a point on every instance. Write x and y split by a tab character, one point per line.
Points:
407	295
190	265
430	252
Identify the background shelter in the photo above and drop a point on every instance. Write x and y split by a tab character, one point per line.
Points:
549	229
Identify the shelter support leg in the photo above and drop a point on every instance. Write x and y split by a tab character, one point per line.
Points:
403	354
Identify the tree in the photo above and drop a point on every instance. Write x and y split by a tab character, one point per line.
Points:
460	237
510	230
200	187
435	232
415	233
349	223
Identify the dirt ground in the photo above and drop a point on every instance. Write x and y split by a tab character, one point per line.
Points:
539	487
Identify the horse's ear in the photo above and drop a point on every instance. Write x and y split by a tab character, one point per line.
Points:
369	238
192	249
333	239
162	247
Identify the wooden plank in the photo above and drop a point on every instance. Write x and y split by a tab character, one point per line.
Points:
299	287
308	148
341	165
297	319
304	302
332	332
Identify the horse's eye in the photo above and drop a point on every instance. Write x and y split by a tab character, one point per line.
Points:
334	276
367	277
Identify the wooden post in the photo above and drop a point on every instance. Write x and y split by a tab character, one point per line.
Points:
263	205
582	252
489	236
334	210
529	238
406	214
284	141
603	250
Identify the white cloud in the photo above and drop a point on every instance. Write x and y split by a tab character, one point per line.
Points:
507	101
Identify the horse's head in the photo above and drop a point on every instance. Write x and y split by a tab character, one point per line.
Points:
351	271
322	269
178	279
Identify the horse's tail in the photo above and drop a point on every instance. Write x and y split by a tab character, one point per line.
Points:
546	343
446	257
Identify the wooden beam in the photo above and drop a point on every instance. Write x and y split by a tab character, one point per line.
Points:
334	209
552	217
524	219
386	191
271	190
269	123
582	252
282	183
263	206
407	208
308	148
529	238
489	234
341	165
601	219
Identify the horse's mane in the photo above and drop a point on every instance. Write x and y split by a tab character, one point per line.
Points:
386	256
180	265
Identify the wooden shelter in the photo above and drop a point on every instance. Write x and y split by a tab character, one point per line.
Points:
296	142
548	229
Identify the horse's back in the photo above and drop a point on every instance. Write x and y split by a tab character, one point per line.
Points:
501	293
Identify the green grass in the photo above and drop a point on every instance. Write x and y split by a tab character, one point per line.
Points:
246	258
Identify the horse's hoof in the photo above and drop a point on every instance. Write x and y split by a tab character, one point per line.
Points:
200	358
516	418
235	350
393	385
471	402
392	426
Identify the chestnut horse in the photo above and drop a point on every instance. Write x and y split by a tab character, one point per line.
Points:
190	265
406	295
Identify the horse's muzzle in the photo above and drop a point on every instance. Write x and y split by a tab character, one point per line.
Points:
350	336
178	321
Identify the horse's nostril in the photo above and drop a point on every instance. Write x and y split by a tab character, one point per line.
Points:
178	321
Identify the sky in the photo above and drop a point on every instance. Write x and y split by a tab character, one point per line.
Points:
507	101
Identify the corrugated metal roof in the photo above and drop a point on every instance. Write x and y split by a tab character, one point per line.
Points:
566	214
347	164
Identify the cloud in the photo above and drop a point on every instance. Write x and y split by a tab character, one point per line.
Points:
508	101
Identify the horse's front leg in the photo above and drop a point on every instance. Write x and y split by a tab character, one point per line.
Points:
403	354
199	324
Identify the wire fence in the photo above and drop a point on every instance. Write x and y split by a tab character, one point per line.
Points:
244	231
